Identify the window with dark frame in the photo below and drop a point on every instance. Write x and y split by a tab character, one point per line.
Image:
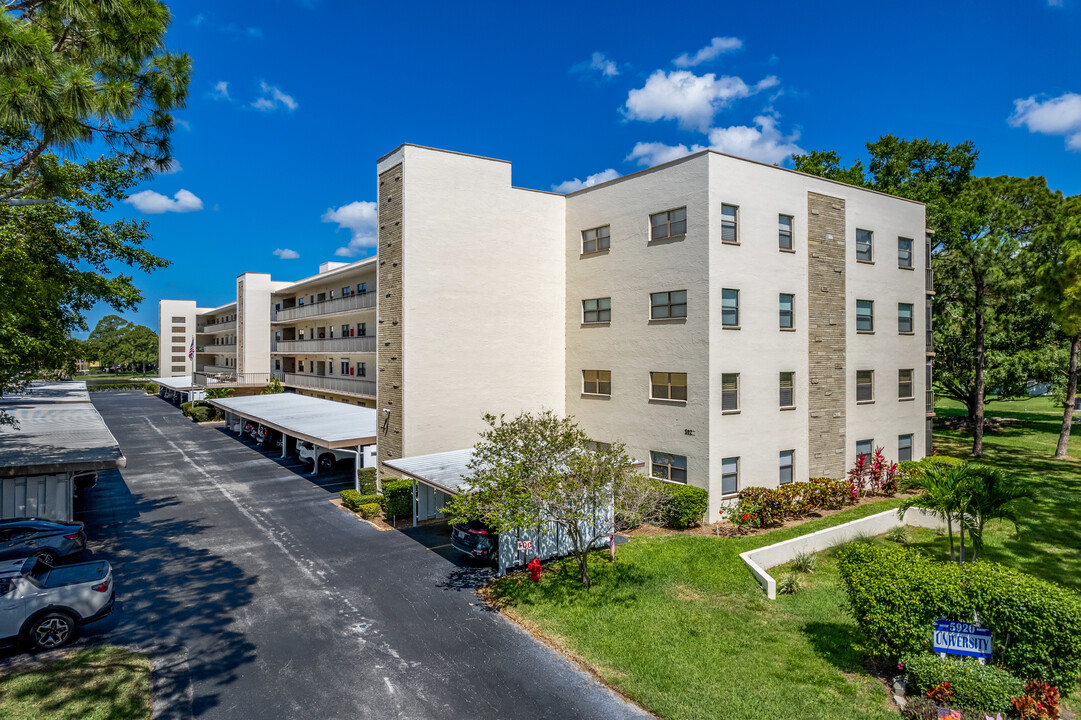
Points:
362	369
784	232
787	458
668	386
865	385
730	392
597	310
345	366
666	466
787	390
729	476
865	315
904	448
904	317
729	307
865	447
665	305
668	224
904	384
786	306
596	239
362	288
362	329
597	382
865	245
904	252
730	224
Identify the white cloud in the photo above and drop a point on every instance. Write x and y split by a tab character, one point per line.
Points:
287	254
221	91
1055	3
361	218
691	99
763	142
153	203
273	98
599	62
716	47
569	186
182	123
656	153
1055	116
198	20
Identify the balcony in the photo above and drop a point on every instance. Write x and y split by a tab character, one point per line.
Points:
930	342
930	408
216	349
217	369
363	301
211	376
364	344
218	327
930	281
330	383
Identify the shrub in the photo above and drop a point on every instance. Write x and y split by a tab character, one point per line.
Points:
685	506
896	593
921	708
789	584
151	388
897	534
981	687
369	510
829	493
350	499
366	478
743	513
1040	702
200	413
638	500
185	408
1037	623
805	562
398	498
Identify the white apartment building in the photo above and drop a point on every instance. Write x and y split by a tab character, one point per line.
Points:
733	323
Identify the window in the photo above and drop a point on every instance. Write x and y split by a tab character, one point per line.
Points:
865	245
904	252
664	305
179	368
729	224
865	386
788	393
300	366
904	317
179	338
180	329
784	232
786	466
904	384
362	288
597	310
730	392
178	358
345	330
729	308
865	316
362	369
597	382
179	320
277	364
668	224
865	447
786	302
666	466
904	448
345	366
668	386
596	239
362	329
346	290
730	476
179	348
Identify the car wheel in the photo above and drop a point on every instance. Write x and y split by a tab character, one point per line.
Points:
46	556
52	630
326	462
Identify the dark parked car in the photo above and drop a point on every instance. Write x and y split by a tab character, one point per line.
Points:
476	540
43	539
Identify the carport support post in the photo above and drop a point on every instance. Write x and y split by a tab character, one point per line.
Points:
414	503
356	469
285	446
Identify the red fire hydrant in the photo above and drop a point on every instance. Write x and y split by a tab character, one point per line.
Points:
534	570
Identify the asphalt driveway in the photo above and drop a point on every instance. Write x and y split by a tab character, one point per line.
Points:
257	598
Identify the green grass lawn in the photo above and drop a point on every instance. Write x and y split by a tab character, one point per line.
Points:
680	626
104	683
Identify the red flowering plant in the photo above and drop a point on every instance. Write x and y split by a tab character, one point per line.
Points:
940	693
744	514
891	484
1040	702
857	478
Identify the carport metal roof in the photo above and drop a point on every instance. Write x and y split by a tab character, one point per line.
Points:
175	383
323	422
59	432
443	471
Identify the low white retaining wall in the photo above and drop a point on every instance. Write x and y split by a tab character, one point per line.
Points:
762	559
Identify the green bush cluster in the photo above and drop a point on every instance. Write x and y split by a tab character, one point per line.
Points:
896	593
686	505
398	498
762	507
151	388
98	387
201	413
366	480
367	506
369	511
981	687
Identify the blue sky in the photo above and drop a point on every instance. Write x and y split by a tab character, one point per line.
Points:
292	102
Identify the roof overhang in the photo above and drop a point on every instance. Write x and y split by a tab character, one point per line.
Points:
325	423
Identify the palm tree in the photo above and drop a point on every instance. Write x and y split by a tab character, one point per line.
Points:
219	393
994	496
946	495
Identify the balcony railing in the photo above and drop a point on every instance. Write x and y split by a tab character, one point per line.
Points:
363	301
333	383
229	378
930	341
216	349
930	401
216	327
930	280
217	369
364	344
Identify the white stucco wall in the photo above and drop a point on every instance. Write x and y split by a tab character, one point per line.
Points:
167	310
253	322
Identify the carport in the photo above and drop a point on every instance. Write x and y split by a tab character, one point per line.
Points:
325	423
59	436
182	386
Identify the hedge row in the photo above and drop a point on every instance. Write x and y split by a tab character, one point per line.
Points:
895	594
121	386
353	500
982	687
398	498
762	507
366	480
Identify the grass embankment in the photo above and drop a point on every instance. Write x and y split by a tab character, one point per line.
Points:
681	627
104	683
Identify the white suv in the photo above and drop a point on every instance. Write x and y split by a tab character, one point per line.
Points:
323	457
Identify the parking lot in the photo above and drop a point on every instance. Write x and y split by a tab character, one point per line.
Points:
256	597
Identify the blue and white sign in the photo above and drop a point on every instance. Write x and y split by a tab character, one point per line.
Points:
960	638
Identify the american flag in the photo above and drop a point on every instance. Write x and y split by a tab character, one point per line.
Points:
191	350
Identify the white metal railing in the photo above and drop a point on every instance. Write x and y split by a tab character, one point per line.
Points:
228	377
216	327
360	301
364	344
334	383
216	349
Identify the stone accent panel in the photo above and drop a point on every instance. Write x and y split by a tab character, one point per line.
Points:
826	248
389	344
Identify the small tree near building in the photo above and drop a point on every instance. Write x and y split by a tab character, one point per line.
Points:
538	471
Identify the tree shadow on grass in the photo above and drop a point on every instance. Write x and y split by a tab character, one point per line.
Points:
838	643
